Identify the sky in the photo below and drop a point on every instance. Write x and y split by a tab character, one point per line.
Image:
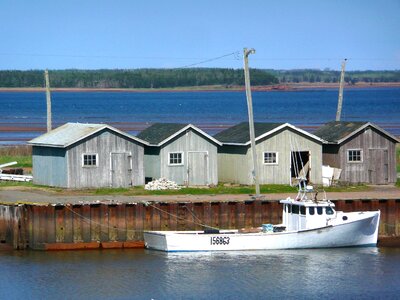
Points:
131	34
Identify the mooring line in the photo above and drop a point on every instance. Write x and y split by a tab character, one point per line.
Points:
89	221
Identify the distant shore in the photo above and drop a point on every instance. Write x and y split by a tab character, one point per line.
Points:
276	87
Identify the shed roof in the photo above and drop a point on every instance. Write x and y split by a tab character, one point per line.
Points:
336	132
240	134
71	133
160	133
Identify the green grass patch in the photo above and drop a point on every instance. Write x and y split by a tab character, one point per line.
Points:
22	160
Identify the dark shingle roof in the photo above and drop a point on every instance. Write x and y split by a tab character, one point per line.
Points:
337	130
158	132
240	132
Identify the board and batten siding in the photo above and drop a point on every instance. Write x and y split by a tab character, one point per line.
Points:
370	170
236	162
49	166
152	168
189	143
104	144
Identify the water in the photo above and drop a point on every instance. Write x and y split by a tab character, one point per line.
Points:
23	115
349	273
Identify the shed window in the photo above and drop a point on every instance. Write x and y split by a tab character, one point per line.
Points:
354	156
270	158
89	160
175	158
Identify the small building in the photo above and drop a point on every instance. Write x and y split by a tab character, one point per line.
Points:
284	153
182	153
364	152
78	155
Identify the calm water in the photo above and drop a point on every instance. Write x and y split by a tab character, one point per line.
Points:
132	111
352	273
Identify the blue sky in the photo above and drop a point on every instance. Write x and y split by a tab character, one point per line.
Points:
86	34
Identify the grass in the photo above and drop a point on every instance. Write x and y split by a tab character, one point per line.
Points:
23	161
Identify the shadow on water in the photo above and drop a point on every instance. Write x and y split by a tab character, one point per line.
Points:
143	274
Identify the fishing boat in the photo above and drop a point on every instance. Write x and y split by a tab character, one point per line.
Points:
306	223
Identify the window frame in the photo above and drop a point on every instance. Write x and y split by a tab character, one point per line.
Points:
176	164
95	155
276	158
355	161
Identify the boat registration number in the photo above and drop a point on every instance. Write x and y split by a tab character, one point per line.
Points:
219	240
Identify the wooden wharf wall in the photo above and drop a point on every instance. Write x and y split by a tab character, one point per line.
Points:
92	226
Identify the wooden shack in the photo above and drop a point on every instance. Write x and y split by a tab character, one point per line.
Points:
182	153
284	153
78	155
365	152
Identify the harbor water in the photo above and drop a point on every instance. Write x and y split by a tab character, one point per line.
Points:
23	114
345	273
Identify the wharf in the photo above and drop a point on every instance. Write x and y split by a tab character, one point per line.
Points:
35	219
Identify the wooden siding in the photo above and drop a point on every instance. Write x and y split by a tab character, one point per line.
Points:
152	167
330	155
235	162
49	166
103	144
370	169
189	141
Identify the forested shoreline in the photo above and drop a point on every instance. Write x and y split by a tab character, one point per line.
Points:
188	77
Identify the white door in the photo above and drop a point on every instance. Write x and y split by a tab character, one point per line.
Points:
198	168
121	170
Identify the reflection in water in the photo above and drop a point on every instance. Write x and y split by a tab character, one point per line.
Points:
143	274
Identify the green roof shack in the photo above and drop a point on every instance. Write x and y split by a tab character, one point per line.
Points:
77	155
182	153
284	153
365	152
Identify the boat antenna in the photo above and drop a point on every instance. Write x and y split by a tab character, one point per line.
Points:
246	53
340	99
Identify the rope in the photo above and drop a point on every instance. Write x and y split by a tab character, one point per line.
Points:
89	221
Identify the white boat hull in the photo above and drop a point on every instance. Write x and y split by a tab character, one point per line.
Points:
362	231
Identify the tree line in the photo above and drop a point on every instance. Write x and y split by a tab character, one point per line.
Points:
327	76
137	78
188	77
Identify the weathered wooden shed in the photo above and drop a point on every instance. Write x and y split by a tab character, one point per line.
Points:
182	153
284	152
365	152
78	155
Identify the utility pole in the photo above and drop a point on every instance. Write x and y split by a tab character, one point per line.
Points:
341	84
48	100
246	53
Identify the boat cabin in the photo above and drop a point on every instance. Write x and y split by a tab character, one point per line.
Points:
306	214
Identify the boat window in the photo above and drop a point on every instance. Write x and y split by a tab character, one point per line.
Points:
289	209
319	210
311	211
302	210
329	211
295	209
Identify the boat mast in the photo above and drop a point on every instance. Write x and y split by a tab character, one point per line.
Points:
246	53
340	100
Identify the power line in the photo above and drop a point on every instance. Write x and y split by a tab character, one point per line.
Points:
236	53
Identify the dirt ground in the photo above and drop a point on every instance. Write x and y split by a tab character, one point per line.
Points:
27	195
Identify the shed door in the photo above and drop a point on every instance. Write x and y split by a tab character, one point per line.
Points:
378	170
197	168
121	170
